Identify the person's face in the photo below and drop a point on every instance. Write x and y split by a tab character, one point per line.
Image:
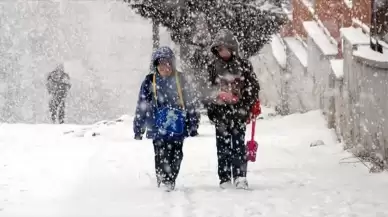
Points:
164	68
224	52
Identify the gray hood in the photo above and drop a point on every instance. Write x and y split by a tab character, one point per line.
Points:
225	37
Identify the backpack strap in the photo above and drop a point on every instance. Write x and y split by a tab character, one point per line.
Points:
178	85
179	89
154	86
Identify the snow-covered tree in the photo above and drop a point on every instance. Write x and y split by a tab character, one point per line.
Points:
252	26
193	23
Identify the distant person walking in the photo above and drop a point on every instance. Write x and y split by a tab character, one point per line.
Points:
58	85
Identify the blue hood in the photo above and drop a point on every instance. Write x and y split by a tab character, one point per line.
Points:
162	52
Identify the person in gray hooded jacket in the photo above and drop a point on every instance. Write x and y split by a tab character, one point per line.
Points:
58	85
233	90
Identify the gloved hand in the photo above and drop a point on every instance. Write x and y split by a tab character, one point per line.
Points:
138	137
193	133
226	97
255	111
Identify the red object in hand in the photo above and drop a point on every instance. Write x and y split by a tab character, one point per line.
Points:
252	145
256	109
227	97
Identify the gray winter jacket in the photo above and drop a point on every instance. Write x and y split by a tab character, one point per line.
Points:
58	83
245	84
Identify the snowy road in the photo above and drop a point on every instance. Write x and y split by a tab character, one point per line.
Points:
45	173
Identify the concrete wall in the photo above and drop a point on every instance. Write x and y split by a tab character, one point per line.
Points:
351	92
285	83
270	72
320	52
365	82
299	83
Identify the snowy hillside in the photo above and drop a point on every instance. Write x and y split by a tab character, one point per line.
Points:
46	173
105	46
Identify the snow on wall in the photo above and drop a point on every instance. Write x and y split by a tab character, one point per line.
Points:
278	50
106	49
361	103
354	36
348	38
317	34
364	97
337	66
281	67
368	102
270	74
298	49
351	92
300	84
365	52
337	110
320	52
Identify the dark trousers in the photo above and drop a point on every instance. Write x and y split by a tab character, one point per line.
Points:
231	151
168	159
57	109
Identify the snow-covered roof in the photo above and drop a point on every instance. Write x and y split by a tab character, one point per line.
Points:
371	57
319	37
354	36
279	51
337	66
298	49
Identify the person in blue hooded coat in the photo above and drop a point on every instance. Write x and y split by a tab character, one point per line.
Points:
166	110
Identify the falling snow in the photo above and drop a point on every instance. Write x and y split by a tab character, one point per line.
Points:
83	169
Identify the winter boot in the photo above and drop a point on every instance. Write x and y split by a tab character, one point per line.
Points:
241	183
158	182
226	185
168	186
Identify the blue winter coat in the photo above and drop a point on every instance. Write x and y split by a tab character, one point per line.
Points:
167	96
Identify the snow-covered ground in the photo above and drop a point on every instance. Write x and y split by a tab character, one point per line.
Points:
46	173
